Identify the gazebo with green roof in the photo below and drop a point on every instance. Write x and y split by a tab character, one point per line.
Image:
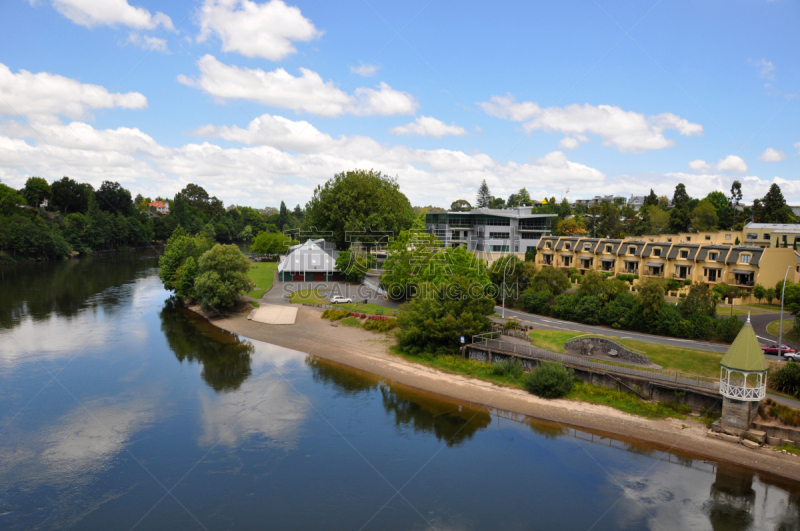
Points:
743	379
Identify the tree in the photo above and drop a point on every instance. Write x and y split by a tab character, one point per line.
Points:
736	196
651	199
440	313
759	292
699	301
771	208
657	219
571	226
180	246
247	233
460	205
359	205
497	202
524	198
769	294
222	277
283	217
273	243
564	209
36	190
353	264
70	196
113	198
605	222
298	213
650	296
704	217
484	197
722	208
552	280
9	199
679	220
680	198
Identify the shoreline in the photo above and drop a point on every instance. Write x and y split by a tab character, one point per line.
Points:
368	352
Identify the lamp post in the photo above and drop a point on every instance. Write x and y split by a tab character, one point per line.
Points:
505	266
780	333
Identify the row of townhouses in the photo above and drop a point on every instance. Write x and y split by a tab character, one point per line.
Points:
701	261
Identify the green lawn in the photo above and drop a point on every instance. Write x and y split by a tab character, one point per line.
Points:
788	329
776	308
688	360
725	311
263	275
309	296
583	392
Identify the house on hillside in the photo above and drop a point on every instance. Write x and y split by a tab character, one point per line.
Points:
314	260
160	206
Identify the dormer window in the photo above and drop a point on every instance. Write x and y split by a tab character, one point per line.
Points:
587	246
657	251
631	250
548	245
608	248
712	256
567	246
745	258
684	253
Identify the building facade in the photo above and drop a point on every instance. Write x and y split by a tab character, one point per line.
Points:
491	232
314	260
736	265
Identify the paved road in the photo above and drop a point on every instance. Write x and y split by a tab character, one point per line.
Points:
556	324
357	292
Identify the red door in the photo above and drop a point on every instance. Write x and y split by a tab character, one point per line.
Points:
298	277
319	277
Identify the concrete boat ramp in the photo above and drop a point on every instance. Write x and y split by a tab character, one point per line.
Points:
274	315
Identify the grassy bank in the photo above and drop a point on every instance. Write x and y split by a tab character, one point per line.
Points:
788	328
583	392
688	360
263	275
310	296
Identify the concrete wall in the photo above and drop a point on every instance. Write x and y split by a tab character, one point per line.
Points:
737	414
606	345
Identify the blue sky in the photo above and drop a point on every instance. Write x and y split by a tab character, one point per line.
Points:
262	101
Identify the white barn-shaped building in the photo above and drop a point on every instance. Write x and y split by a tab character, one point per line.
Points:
314	260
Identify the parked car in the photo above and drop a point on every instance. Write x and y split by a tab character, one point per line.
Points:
784	350
791	356
337	299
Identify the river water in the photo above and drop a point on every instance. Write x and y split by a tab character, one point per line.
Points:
118	410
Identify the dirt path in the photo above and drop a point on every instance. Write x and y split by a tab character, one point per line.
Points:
369	352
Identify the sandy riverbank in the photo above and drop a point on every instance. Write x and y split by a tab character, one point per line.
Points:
369	352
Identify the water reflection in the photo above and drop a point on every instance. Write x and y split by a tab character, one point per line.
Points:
43	289
449	422
224	356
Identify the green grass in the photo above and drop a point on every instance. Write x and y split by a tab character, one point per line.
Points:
725	311
790	449
627	402
352	321
584	392
687	360
255	304
263	275
774	327
776	308
309	296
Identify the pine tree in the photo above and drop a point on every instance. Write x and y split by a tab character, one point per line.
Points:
484	196
771	208
736	196
283	216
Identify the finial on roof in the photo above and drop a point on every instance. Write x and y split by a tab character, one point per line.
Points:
748	316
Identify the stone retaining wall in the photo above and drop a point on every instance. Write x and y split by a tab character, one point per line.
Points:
606	345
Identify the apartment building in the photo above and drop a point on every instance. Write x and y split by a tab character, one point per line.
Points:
491	232
753	235
737	265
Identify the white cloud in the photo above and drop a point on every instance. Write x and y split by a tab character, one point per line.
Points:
765	68
363	70
428	126
43	95
732	163
255	30
148	43
625	130
568	143
700	165
772	155
797	145
308	93
92	13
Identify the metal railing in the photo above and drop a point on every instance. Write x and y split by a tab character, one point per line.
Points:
529	351
743	393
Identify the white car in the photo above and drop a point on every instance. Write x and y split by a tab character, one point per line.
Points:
337	299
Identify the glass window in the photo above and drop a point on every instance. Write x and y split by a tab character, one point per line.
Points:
608	248
712	256
657	251
752	236
708	237
499	235
745	258
727	236
684	254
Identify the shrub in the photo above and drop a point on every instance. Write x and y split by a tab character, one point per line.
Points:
673	284
683	409
786	379
335	315
728	328
510	368
576	278
606	275
673	293
627	277
786	414
687	282
512	325
549	380
382	325
682	295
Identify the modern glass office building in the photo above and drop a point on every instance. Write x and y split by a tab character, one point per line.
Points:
508	230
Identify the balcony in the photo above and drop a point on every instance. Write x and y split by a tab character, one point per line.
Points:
658	273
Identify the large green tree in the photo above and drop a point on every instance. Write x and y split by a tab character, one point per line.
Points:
460	205
723	208
704	217
222	277
9	199
179	248
772	207
112	197
272	243
484	196
359	205
656	219
71	196
35	191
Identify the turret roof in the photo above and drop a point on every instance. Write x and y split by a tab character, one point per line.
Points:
745	353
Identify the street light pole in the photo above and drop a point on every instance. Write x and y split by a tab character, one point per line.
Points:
780	333
505	266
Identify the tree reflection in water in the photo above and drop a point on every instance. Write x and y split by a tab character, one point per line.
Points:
224	356
448	420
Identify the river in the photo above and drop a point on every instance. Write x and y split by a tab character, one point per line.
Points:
119	410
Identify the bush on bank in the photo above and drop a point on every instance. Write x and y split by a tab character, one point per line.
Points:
549	380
